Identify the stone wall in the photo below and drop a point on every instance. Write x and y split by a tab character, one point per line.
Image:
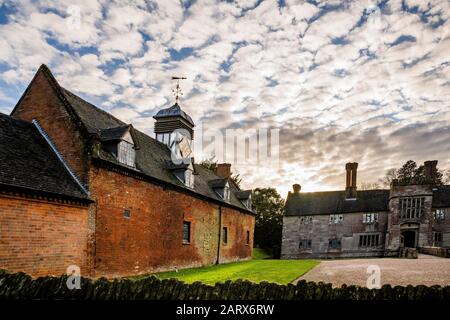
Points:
320	231
42	238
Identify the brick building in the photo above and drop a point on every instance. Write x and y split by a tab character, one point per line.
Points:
367	223
80	187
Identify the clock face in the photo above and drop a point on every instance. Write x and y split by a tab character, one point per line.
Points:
185	147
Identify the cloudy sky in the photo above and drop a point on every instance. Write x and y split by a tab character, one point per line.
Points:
365	81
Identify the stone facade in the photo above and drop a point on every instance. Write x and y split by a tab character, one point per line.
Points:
375	223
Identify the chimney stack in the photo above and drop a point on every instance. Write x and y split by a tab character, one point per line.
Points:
223	170
350	187
431	171
296	187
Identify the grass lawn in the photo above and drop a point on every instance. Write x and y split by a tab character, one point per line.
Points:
279	271
259	253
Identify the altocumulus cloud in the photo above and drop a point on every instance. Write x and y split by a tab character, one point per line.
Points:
364	81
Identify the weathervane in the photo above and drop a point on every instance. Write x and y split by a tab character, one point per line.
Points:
177	91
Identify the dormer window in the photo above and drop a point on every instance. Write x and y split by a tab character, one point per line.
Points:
221	187
126	153
183	172
245	197
120	143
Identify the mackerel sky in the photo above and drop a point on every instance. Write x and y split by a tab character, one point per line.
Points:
365	81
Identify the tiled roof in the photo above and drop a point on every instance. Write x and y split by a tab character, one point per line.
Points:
331	202
441	197
26	161
114	133
152	156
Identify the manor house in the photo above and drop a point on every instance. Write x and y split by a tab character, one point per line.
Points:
367	223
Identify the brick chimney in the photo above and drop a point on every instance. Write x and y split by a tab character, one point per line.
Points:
430	170
296	187
350	187
223	170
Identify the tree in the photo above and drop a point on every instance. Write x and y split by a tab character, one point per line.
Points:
268	206
410	173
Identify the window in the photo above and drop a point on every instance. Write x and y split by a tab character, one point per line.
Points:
370	218
336	218
334	243
226	193
439	214
189	178
437	239
186	232
224	235
127	214
369	240
306	220
126	153
247	241
305	244
411	208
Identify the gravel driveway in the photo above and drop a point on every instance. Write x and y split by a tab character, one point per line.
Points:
426	270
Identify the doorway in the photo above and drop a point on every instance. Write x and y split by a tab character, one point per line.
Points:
409	238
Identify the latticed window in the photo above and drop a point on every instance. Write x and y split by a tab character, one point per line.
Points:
336	218
437	239
306	220
369	240
411	208
439	214
126	153
305	244
189	178
334	243
370	218
224	235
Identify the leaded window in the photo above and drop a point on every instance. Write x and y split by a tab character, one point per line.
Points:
369	240
369	218
334	243
126	153
336	218
437	239
439	214
306	219
305	244
412	207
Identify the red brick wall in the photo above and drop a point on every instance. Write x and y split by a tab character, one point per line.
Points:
41	238
40	102
151	239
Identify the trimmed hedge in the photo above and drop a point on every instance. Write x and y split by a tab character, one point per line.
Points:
22	286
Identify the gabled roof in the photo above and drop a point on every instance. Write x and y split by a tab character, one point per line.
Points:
174	111
152	156
114	133
243	195
218	183
333	202
27	161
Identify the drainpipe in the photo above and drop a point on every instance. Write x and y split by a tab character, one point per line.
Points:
220	235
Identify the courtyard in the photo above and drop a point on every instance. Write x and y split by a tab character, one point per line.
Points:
426	270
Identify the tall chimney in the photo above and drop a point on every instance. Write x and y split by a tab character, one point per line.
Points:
350	188
430	171
223	170
296	187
